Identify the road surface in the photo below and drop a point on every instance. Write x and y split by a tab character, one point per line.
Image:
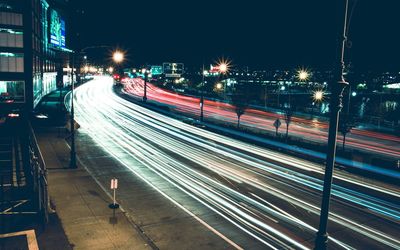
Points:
253	197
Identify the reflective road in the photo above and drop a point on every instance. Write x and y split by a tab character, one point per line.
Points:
270	198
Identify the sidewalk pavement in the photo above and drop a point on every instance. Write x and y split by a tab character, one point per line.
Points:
82	205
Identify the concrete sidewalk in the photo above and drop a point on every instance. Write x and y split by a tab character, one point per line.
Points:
82	205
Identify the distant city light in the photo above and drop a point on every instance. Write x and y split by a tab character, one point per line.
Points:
219	85
110	69
353	94
283	88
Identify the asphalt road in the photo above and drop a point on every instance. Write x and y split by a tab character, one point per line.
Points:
236	194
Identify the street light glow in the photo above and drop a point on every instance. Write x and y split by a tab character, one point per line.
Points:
118	56
318	95
223	66
303	75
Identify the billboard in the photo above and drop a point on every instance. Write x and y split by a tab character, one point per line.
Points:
57	29
173	69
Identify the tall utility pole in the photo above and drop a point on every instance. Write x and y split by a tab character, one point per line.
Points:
338	84
72	163
202	96
145	85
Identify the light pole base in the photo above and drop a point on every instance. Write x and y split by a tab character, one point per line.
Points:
72	163
321	241
144	99
114	206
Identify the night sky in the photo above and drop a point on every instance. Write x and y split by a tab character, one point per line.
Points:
260	34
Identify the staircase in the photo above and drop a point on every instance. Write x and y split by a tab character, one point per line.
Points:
17	202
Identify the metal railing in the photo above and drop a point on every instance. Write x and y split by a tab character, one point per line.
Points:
38	177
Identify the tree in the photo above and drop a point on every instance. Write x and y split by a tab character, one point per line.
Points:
240	100
346	124
288	119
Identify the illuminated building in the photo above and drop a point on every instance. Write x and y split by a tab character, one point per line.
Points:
32	48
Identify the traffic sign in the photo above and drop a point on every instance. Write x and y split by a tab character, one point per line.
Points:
277	123
114	183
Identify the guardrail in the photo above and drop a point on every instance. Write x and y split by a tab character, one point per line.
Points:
38	177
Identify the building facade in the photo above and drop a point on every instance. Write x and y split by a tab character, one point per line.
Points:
31	62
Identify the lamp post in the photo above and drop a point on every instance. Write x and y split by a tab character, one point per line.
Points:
318	96
223	68
335	105
72	163
146	74
202	96
118	56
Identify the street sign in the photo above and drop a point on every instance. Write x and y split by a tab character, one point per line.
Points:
277	123
173	75
114	183
156	70
173	70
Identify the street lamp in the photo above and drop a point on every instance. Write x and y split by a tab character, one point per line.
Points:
146	74
223	66
335	106
72	163
318	96
204	72
303	75
118	56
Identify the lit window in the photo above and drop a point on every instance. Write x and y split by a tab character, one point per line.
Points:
9	18
12	91
11	38
11	62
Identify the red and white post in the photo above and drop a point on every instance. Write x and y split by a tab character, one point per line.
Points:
114	186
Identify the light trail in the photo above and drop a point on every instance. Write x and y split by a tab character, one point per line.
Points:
378	143
232	178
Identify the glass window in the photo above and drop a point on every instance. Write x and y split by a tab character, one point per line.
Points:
9	18
11	38
12	91
11	62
